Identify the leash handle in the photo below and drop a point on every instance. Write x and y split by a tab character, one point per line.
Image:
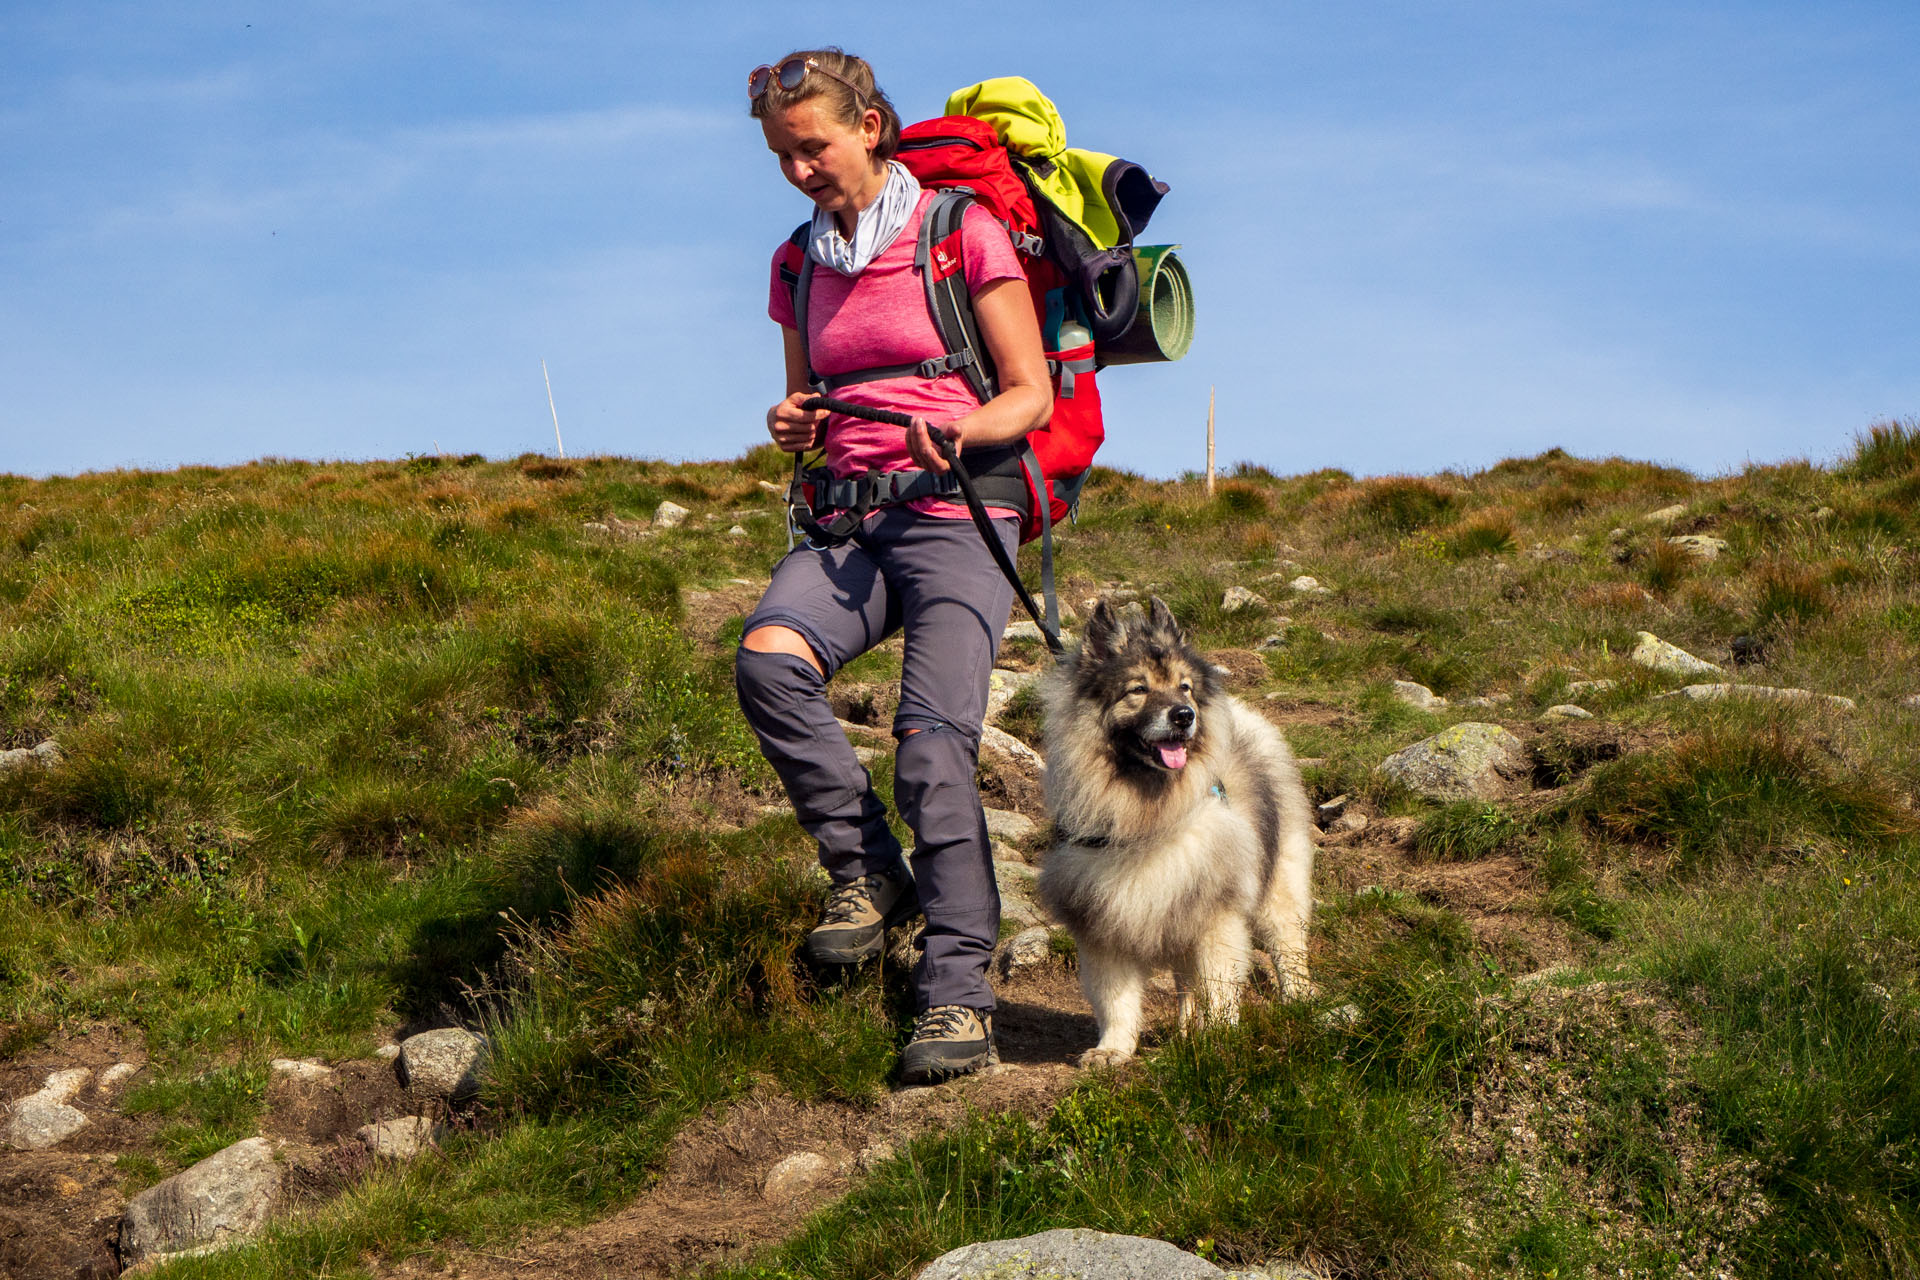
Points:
975	508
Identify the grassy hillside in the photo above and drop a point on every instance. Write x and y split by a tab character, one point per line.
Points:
347	749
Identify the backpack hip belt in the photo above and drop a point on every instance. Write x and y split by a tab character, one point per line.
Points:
998	477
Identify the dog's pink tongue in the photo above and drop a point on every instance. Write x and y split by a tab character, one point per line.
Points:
1173	754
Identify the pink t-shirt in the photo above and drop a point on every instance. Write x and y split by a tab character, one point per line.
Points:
879	317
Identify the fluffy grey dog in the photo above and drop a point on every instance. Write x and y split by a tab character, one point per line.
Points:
1183	832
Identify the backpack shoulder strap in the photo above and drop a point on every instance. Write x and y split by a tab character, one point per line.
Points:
938	257
799	280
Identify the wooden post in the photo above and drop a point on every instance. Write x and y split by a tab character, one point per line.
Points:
555	412
1210	442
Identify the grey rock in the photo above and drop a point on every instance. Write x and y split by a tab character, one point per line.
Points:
443	1064
388	1052
1023	950
1669	659
1005	743
304	1069
768	486
1308	585
1333	808
867	755
1005	824
873	1155
1239	598
1273	641
113	1077
737	531
1578	687
46	755
1354	821
794	1176
1468	761
1699	545
43	1119
1417	695
1911	702
1070	1253
220	1201
401	1139
1566	711
1665	515
1019	896
1004	686
1760	692
669	515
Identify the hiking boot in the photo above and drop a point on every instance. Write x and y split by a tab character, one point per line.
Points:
853	924
948	1040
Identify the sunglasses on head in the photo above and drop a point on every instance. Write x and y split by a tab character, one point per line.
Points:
790	73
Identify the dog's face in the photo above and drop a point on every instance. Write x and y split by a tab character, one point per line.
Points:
1150	685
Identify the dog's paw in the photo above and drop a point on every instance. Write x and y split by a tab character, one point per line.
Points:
1103	1057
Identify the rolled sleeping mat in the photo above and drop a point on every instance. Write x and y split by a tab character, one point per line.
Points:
1162	327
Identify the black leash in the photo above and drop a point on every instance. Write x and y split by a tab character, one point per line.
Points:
975	508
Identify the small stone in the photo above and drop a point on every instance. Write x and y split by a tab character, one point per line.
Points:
768	486
594	526
794	1176
113	1077
1566	711
66	1187
867	755
669	515
1239	598
1417	695
1699	546
1018	886
1590	686
1070	1253
1308	585
1551	973
1023	950
1911	702
1669	659
1665	515
1823	513
1333	808
1711	692
736	532
1004	686
873	1155
1005	824
46	755
220	1201
43	1119
444	1064
1348	822
1274	641
387	1052
303	1069
1345	1015
401	1139
1000	740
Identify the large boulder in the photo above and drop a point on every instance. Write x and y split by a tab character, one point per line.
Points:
220	1201
1071	1253
443	1064
1469	761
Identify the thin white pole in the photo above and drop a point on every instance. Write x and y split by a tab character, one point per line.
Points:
1209	442
556	413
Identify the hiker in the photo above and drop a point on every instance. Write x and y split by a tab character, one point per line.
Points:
915	563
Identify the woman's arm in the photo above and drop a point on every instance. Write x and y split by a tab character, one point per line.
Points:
792	427
1004	310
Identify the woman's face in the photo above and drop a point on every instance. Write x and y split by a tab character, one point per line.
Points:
832	162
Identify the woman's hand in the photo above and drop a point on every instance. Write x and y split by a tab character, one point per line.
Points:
925	447
792	427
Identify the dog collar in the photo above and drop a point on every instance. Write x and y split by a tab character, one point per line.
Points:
1217	791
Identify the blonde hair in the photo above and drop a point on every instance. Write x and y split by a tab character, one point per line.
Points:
847	108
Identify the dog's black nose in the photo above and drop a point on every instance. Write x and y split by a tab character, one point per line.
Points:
1182	718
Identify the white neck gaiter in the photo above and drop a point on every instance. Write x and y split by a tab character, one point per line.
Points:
878	225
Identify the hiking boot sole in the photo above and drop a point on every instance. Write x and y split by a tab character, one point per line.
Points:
930	1064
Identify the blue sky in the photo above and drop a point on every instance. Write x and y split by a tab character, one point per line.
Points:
1422	235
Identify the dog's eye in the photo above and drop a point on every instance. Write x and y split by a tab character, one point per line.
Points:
1136	688
1186	686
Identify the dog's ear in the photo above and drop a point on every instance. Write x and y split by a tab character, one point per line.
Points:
1097	643
1163	621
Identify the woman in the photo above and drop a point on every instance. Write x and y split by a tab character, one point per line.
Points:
917	567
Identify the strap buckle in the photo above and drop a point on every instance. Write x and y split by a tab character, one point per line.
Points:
939	366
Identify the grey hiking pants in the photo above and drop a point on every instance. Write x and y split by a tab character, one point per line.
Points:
931	579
